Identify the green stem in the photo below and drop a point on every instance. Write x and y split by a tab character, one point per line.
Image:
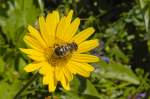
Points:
26	85
52	96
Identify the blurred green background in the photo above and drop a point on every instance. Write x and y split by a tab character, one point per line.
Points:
122	27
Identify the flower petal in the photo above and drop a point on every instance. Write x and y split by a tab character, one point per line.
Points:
33	66
32	42
34	54
58	72
49	78
60	28
52	83
82	69
35	34
67	74
46	67
44	32
71	30
83	35
46	79
69	16
42	25
87	45
64	82
52	20
31	52
63	26
85	58
37	58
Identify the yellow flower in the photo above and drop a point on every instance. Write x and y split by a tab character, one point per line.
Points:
57	51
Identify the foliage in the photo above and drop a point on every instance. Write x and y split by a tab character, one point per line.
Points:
123	28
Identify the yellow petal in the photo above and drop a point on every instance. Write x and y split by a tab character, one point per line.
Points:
56	16
71	30
83	35
44	31
46	79
82	69
45	68
42	25
31	52
69	17
35	34
67	74
34	54
32	42
37	58
63	26
49	78
64	82
33	66
85	58
58	72
87	45
52	20
49	73
52	84
61	76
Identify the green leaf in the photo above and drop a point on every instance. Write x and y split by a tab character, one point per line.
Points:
73	93
118	71
22	64
20	14
89	97
7	90
75	83
119	54
90	89
89	93
2	63
41	5
144	4
2	40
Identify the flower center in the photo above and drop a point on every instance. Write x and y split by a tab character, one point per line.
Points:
54	61
58	55
61	52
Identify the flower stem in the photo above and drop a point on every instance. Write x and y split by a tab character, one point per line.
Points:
52	96
26	85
